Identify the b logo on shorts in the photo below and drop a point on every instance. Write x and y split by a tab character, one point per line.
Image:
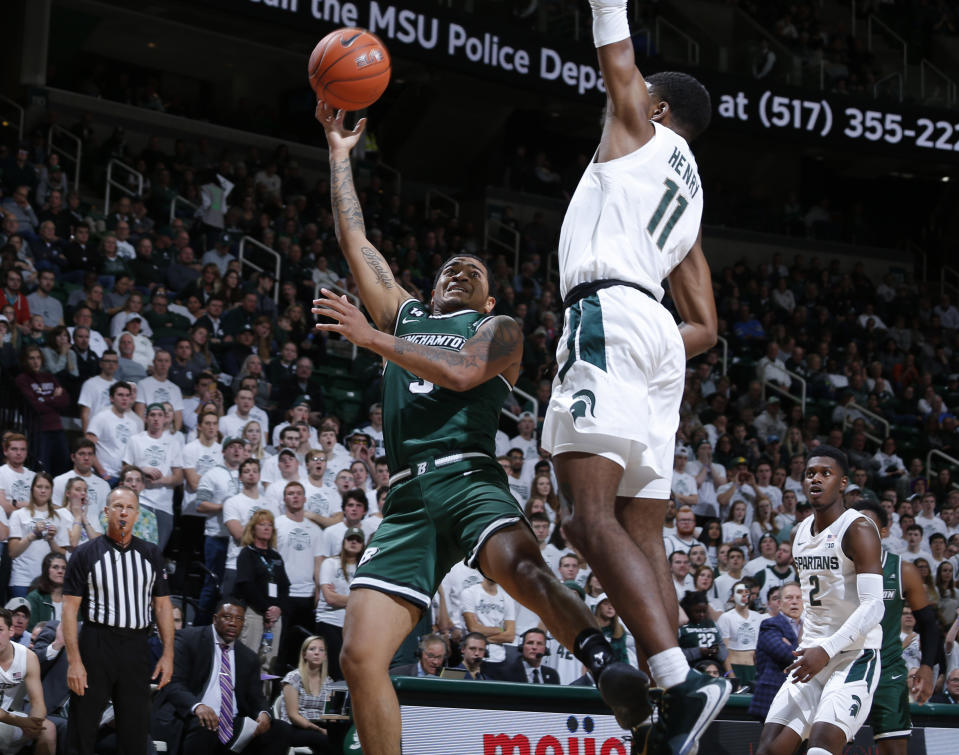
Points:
367	555
421	467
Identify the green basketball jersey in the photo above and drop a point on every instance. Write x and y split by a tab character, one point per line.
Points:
893	602
422	420
703	635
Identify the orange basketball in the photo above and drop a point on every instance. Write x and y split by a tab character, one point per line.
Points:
349	69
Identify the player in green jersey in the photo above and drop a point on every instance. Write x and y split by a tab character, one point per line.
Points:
450	367
901	585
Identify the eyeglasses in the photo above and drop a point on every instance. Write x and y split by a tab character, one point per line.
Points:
317	458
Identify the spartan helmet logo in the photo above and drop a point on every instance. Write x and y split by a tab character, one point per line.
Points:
854	708
584	401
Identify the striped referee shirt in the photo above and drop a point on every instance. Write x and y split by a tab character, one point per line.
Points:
117	584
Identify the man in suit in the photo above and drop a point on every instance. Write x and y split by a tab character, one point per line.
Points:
778	637
473	649
431	653
950	690
212	671
528	666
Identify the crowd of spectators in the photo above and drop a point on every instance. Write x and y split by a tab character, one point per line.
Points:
190	383
848	64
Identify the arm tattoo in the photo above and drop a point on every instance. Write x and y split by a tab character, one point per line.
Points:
375	262
349	214
454	359
496	342
503	338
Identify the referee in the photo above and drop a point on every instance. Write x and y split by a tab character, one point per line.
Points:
114	581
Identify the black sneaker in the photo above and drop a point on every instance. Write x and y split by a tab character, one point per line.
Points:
687	711
625	689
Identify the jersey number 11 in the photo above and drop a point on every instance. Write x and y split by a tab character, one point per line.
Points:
672	188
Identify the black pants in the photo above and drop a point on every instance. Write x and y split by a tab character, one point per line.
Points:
200	741
315	740
117	662
299	612
334	644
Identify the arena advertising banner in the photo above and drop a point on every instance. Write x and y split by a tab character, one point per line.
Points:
474	45
475	731
440	36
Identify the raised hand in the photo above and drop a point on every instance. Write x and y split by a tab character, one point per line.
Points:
338	136
350	322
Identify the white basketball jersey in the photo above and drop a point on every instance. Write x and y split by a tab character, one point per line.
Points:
828	579
633	218
12	688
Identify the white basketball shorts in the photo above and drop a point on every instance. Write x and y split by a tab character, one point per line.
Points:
619	384
840	694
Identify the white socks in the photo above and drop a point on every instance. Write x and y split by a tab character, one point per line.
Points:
669	668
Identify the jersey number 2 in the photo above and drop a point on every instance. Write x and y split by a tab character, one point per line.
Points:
814	582
421	386
672	188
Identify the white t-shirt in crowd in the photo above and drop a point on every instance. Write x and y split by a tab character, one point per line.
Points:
332	573
231	425
562	660
490	611
757	565
299	543
201	458
153	391
321	500
95	394
113	433
216	486
239	508
274	495
530	448
456	580
97	492
519	488
16	485
738	632
735	531
163	453
26	567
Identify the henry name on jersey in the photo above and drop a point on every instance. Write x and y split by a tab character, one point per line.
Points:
686	170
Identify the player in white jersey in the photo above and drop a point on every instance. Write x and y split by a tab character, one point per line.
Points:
634	221
20	677
839	560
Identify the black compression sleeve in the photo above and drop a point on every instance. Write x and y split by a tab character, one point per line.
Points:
930	638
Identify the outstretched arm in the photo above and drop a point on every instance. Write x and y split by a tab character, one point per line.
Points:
691	286
496	349
381	294
627	126
927	627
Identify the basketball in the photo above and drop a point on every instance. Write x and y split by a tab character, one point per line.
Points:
349	69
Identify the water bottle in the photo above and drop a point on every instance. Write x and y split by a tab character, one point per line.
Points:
266	647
